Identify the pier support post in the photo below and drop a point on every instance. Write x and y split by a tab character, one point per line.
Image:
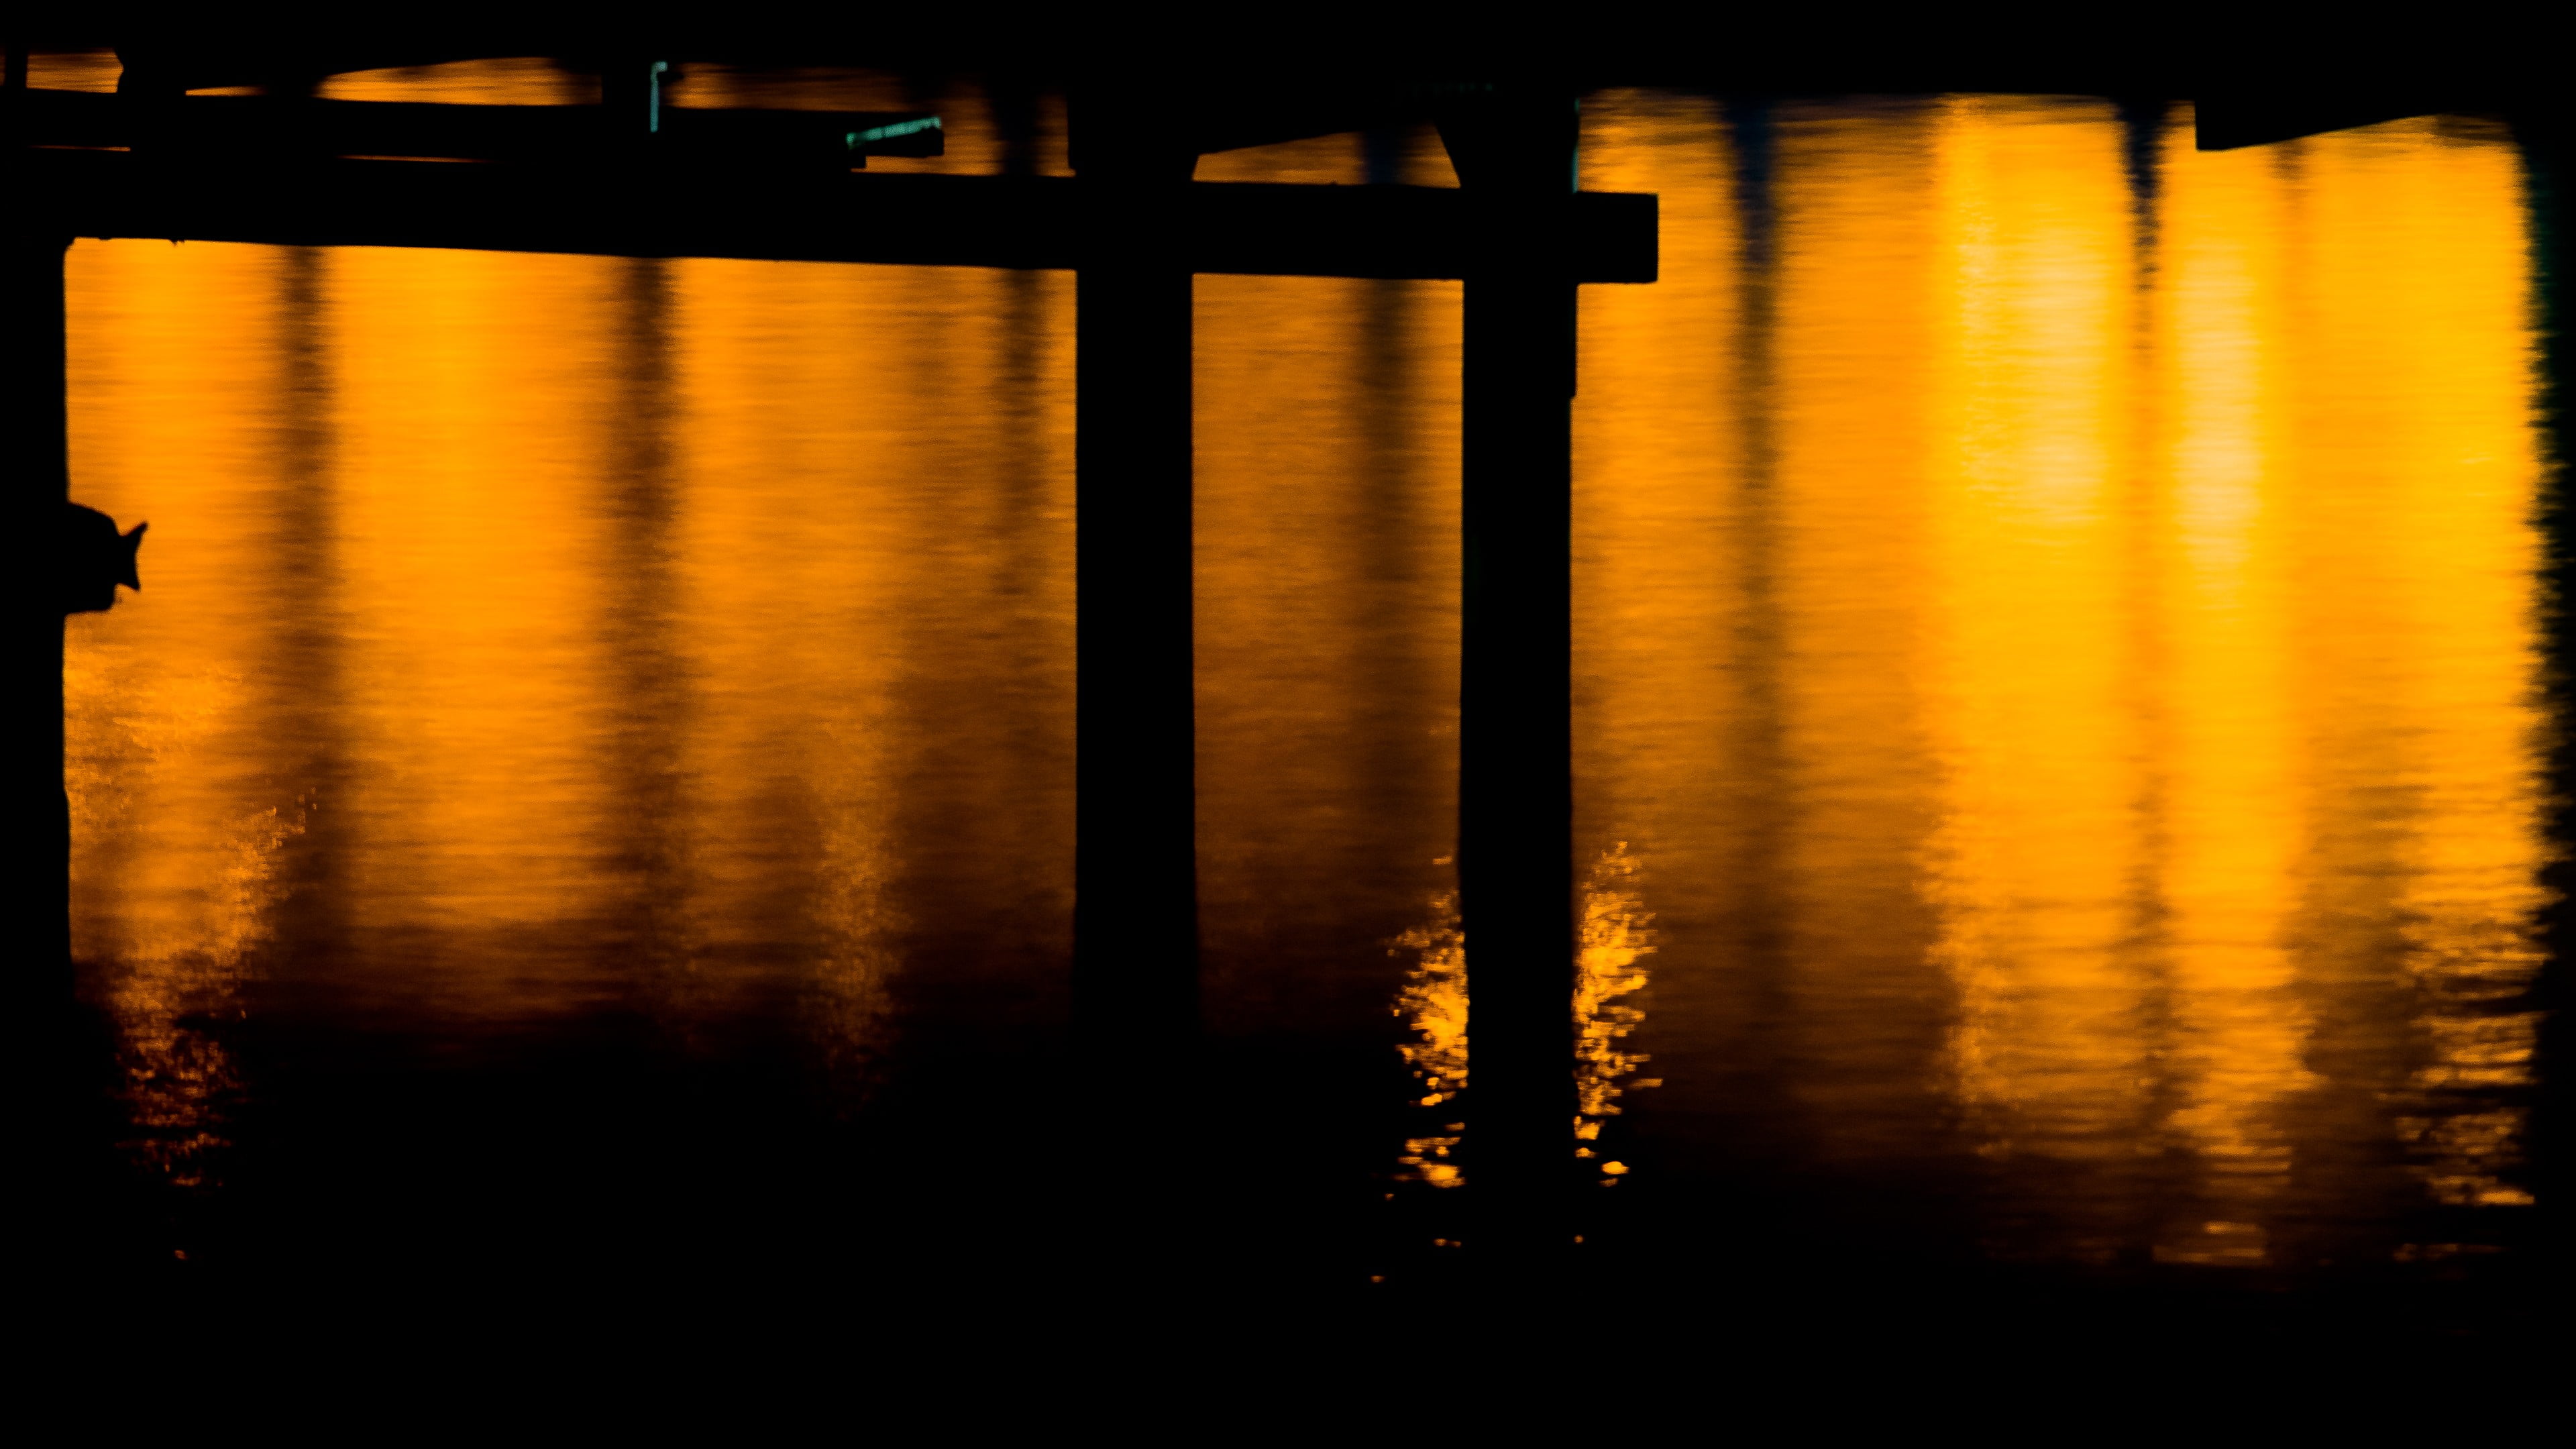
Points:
1135	848
1514	149
34	484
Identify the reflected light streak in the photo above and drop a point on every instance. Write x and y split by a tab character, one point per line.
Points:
180	835
2077	650
1613	935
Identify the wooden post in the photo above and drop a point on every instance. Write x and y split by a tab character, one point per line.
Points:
2545	126
34	484
1514	149
1135	855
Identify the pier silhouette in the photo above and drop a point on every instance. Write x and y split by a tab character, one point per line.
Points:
634	177
288	169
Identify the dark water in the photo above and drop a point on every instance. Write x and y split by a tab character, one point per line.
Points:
587	782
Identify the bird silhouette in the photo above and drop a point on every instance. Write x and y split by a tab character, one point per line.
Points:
92	558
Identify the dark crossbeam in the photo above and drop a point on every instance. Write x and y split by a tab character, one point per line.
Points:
678	211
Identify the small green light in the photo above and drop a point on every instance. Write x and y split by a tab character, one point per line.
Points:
890	131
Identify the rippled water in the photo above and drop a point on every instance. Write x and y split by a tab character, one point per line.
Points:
2058	722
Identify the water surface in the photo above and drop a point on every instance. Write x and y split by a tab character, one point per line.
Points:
2058	662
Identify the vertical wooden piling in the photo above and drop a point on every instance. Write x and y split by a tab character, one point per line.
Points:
1514	150
2544	125
33	487
1135	856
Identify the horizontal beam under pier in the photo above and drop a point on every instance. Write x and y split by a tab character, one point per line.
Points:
910	220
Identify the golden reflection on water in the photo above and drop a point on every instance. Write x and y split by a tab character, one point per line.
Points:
525	636
2067	637
169	804
1433	1006
1614	933
2056	656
